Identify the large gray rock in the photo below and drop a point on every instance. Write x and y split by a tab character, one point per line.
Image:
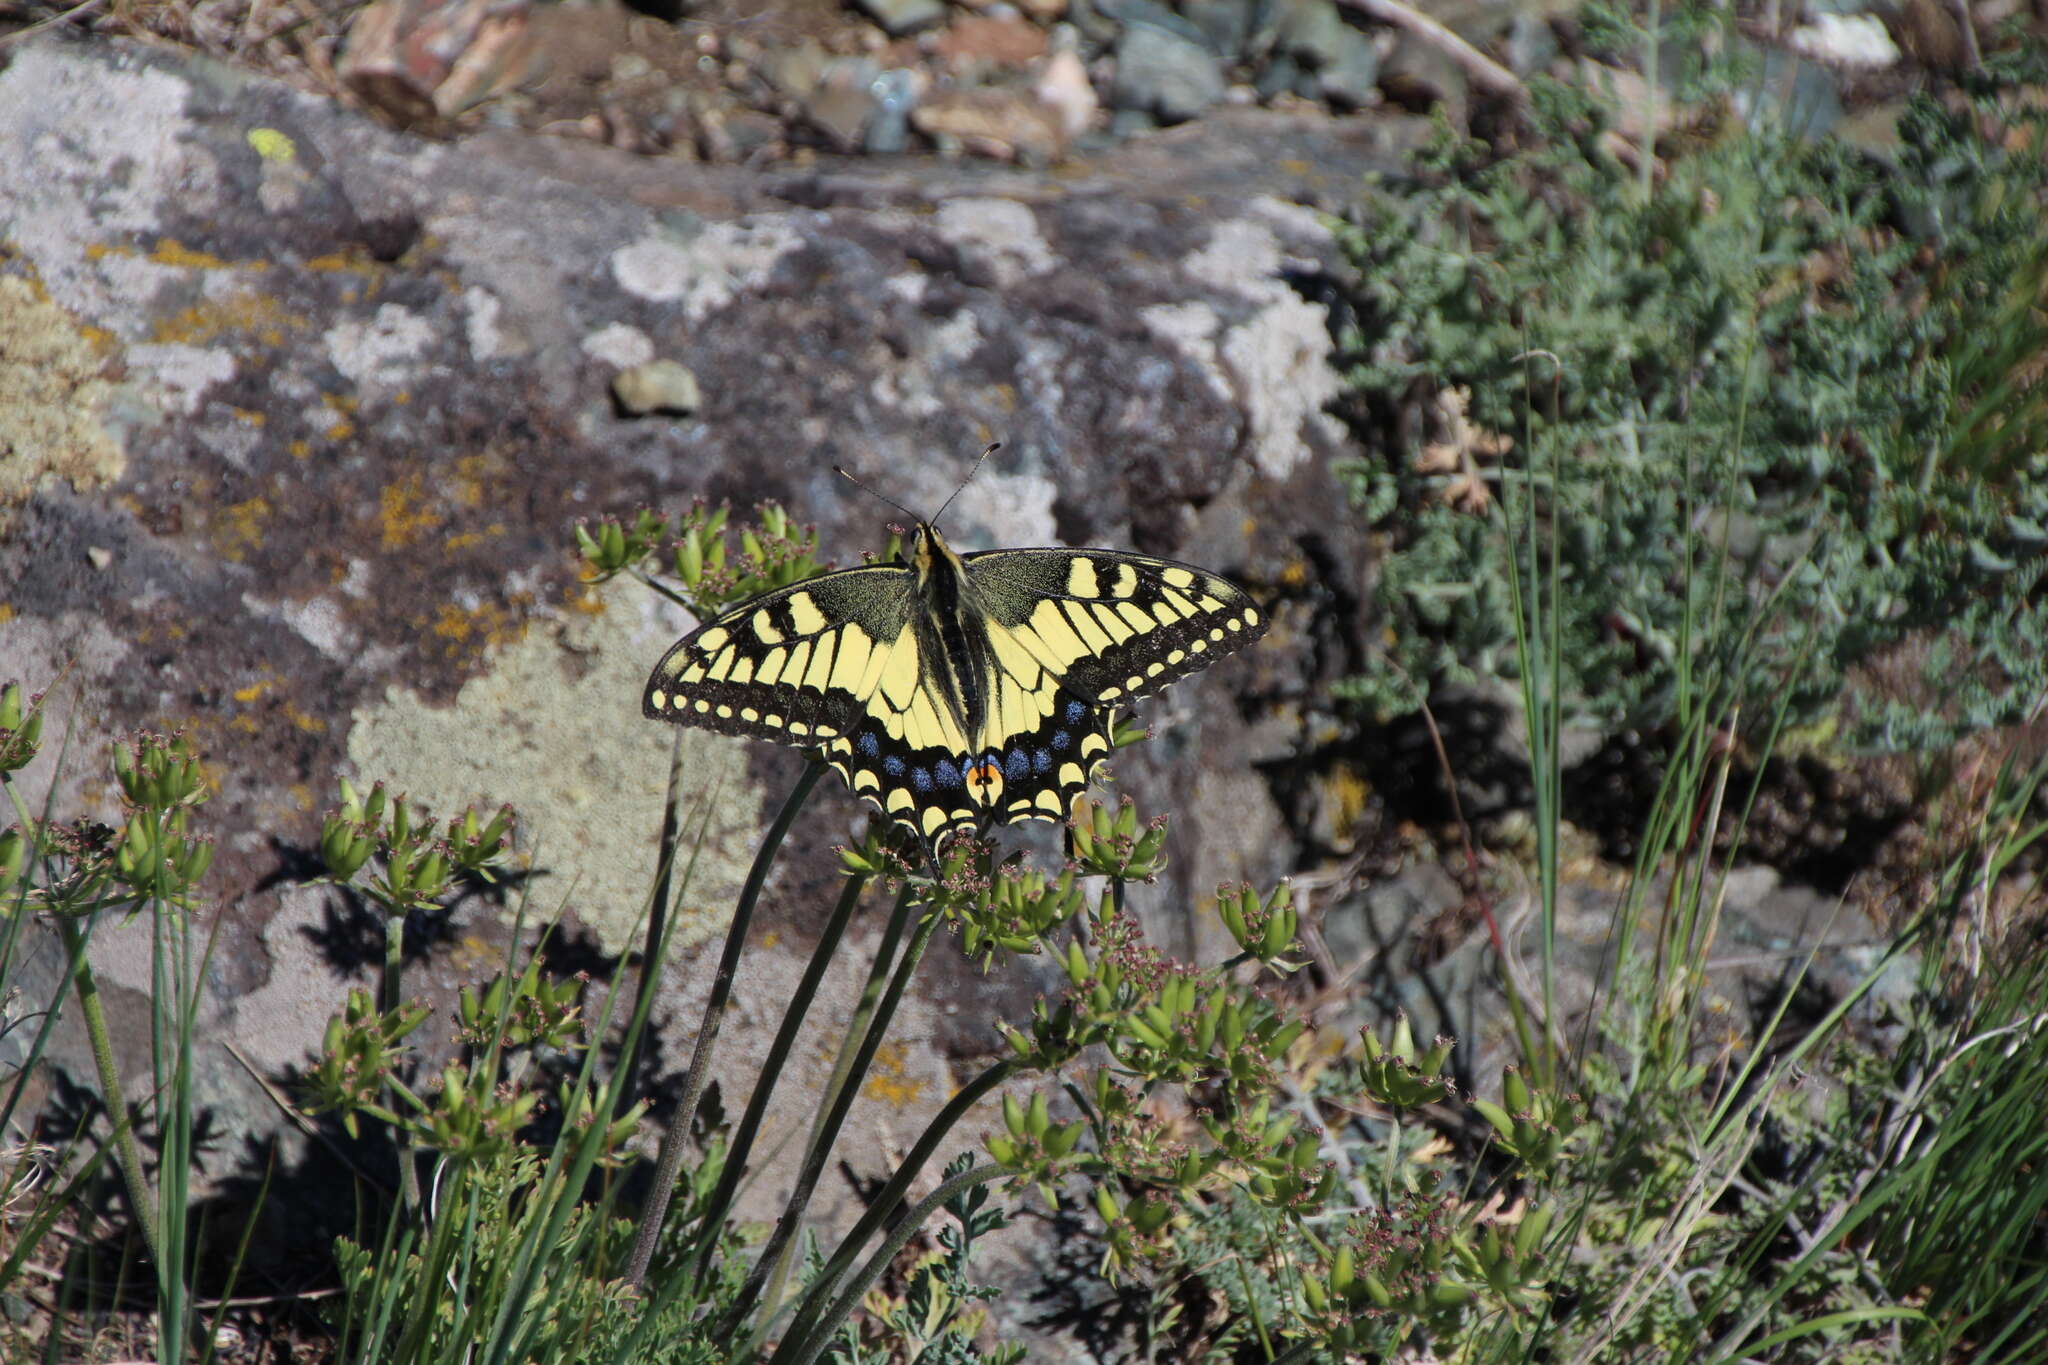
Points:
1165	73
324	403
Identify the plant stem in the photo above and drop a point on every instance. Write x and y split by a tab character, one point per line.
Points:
670	1161
742	1144
821	1149
885	1204
126	1154
842	1066
651	961
390	984
814	1344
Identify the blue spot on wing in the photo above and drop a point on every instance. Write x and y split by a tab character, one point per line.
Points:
1041	762
920	779
946	773
1016	766
893	765
868	744
1075	711
1061	739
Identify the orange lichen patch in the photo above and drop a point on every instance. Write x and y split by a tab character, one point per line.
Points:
304	720
301	795
471	475
100	251
99	338
403	513
341	431
402	397
1295	574
339	402
353	261
300	449
469	631
171	251
581	599
247	313
889	1080
462	540
6	612
1251	525
771	938
239	529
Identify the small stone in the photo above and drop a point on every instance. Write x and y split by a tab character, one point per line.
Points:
1352	80
1310	30
844	102
901	17
1000	124
660	386
1226	25
1044	11
1064	88
1151	14
630	66
797	71
1163	73
101	559
975	41
1853	40
896	93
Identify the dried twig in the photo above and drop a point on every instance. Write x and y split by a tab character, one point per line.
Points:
1486	73
66	17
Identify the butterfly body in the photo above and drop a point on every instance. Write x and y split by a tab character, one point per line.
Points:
953	691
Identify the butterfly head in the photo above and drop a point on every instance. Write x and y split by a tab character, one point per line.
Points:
929	556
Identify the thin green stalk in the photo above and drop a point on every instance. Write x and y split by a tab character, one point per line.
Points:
742	1143
821	1337
669	1163
814	1160
658	911
885	1205
777	1275
140	1198
390	984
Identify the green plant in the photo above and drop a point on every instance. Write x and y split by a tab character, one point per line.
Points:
1846	351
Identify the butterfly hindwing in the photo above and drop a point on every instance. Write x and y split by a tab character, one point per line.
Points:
796	664
1113	626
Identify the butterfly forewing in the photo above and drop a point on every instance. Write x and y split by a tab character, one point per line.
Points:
793	665
1113	626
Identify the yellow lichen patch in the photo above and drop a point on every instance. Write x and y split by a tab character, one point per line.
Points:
304	720
1005	397
889	1080
770	939
301	795
300	449
171	251
341	431
354	261
1295	574
403	514
462	540
239	529
471	476
469	631
51	397
244	725
272	145
245	695
6	612
248	415
244	314
580	598
339	402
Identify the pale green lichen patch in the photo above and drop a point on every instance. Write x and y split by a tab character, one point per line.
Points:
554	727
51	399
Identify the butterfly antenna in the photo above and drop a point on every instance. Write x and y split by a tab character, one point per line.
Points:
842	472
993	447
